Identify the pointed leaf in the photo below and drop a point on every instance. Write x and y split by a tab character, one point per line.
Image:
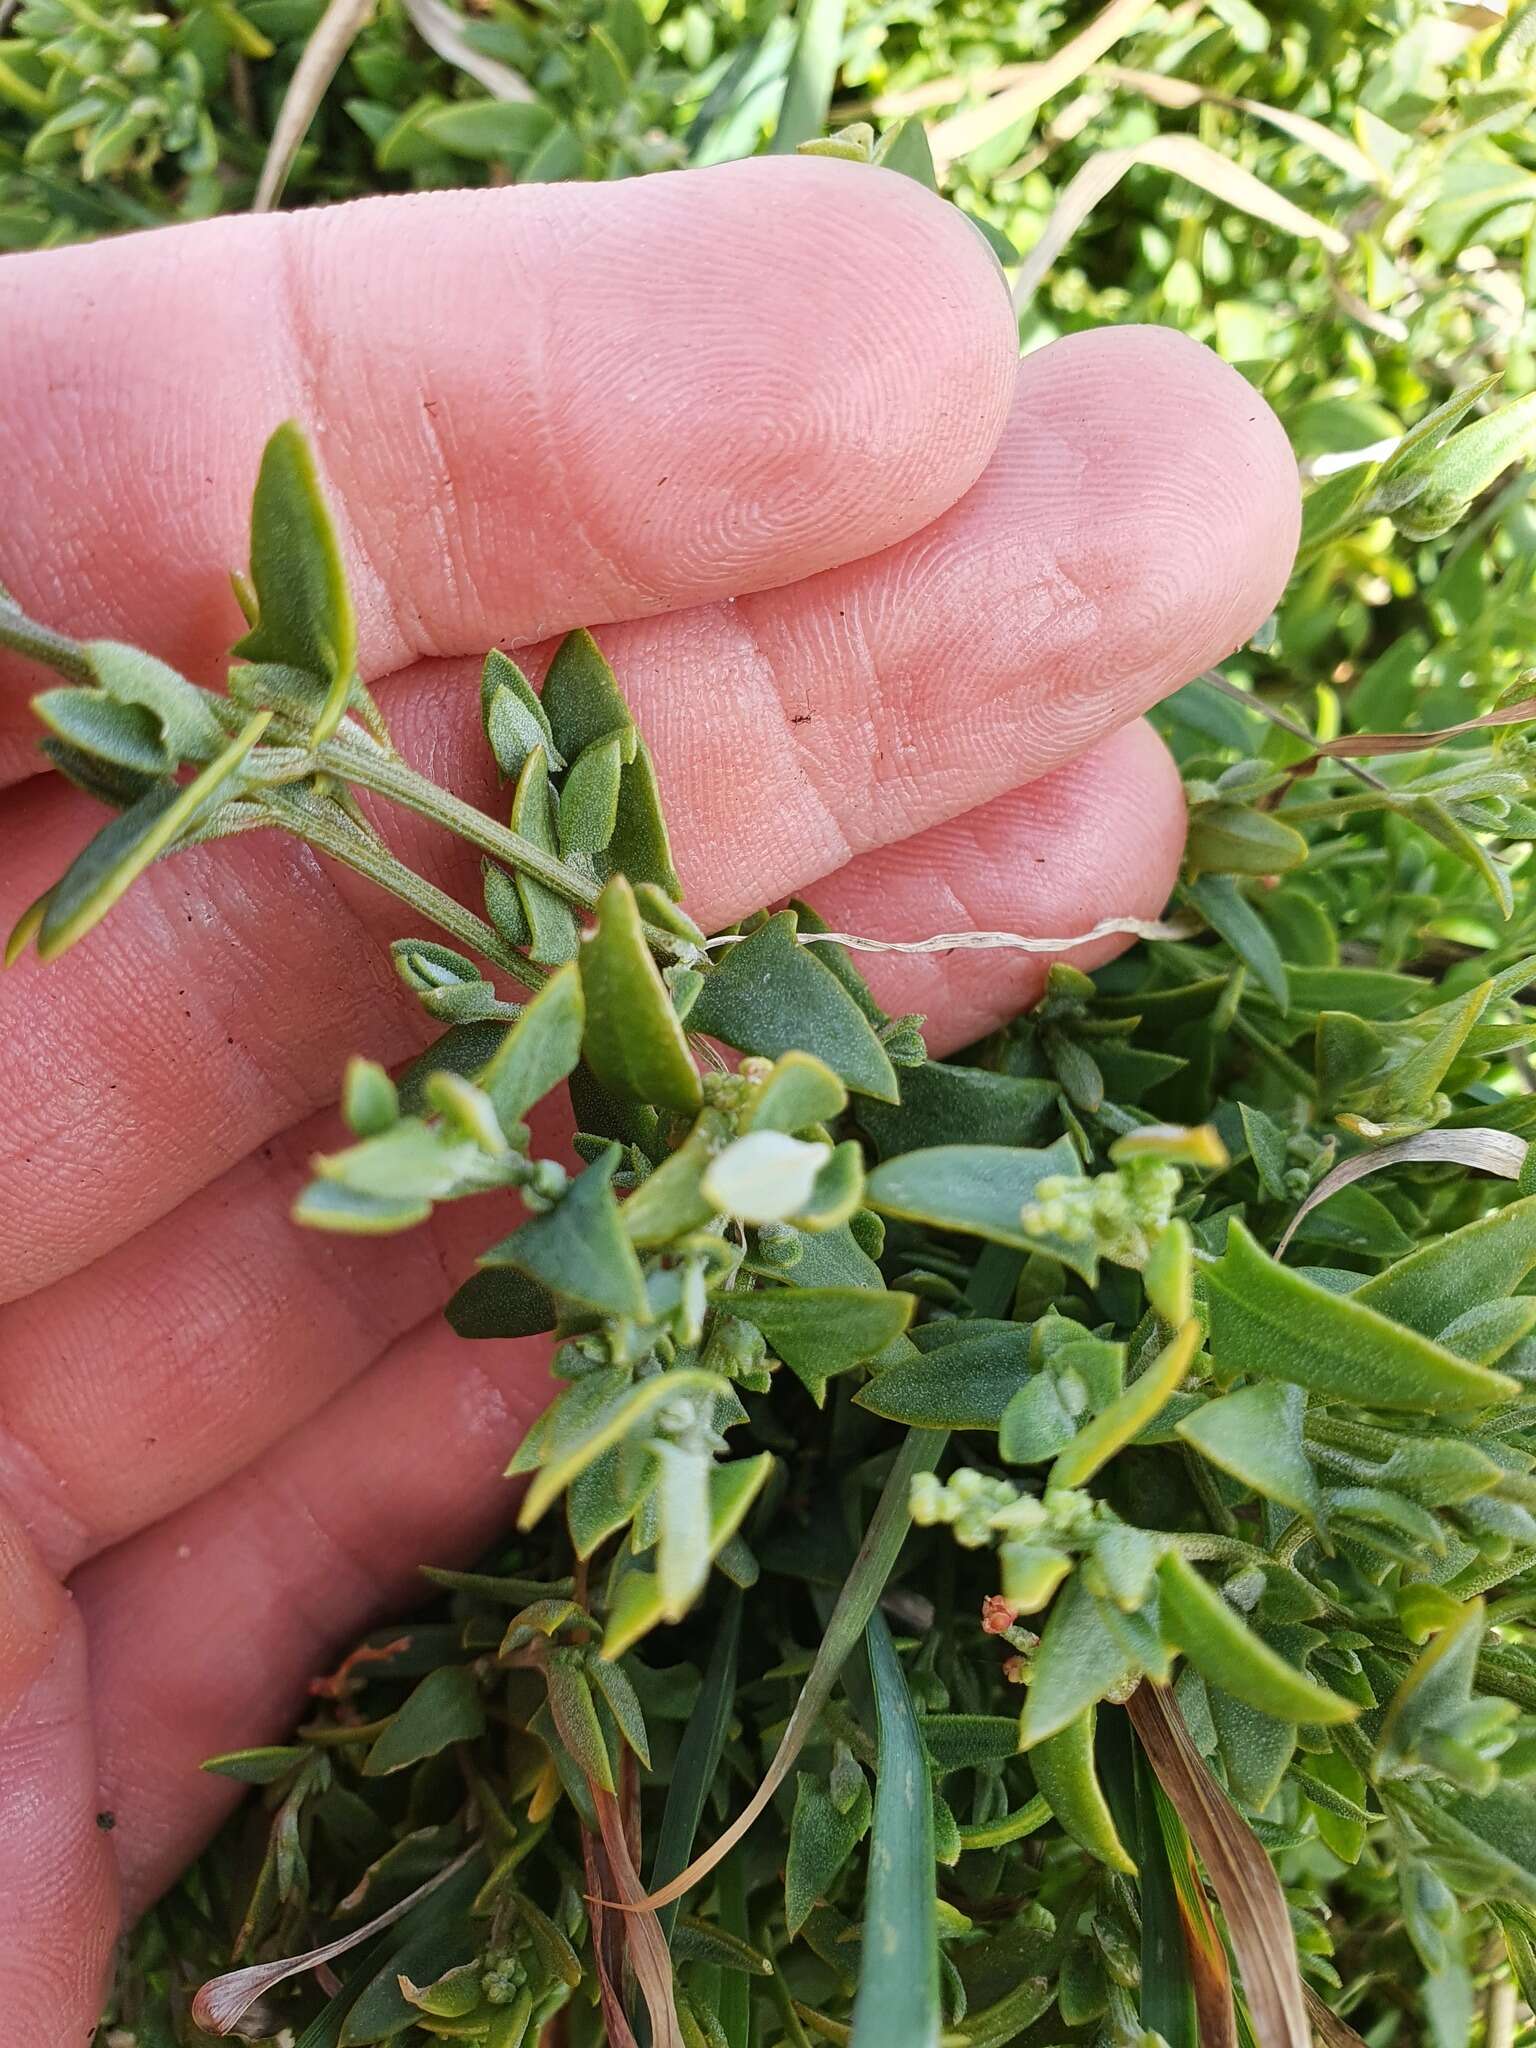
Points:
589	797
770	995
1255	1435
549	917
1227	1653
1270	1320
578	1249
1125	1418
445	1708
581	699
970	1383
1064	1771
819	1331
798	1091
634	1043
304	610
1078	1662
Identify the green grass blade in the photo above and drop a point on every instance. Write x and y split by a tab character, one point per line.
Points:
898	1996
812	73
698	1758
862	1588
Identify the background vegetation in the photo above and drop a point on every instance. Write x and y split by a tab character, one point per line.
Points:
1341	200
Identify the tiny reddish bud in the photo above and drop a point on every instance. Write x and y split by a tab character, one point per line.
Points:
998	1615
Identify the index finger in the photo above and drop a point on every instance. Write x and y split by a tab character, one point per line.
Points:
535	408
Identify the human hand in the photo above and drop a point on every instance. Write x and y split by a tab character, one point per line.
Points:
887	607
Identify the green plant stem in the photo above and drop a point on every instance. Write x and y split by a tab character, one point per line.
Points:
39	643
366	857
1010	1827
1251	701
369	767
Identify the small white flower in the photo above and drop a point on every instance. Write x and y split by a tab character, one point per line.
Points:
765	1176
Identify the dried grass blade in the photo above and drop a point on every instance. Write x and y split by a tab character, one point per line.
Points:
1258	1923
323	53
443	31
1184	157
1328	2030
1181	93
855	1604
1362	745
966	131
607	1942
1478	1146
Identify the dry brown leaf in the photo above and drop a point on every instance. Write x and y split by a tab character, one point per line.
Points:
1479	1146
1358	746
1328	2030
443	31
1209	1972
607	1942
649	1957
1241	1874
224	2001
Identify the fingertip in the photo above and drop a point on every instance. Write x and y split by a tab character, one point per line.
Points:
1098	838
1187	479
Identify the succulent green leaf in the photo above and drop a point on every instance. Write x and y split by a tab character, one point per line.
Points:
595	1413
304	619
539	1051
514	719
671	1201
1065	1773
259	1766
112	862
578	1250
971	1382
819	1331
575	1716
948	1105
1077	1664
445	1708
1127	1416
799	1090
821	1839
634	1043
1227	1653
183	712
1229	914
589	798
549	917
125	735
1256	1435
978	1189
1482	1262
770	995
500	1302
640	847
581	698
1273	1321
838	1190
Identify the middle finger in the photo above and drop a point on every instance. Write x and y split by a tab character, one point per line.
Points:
1136	523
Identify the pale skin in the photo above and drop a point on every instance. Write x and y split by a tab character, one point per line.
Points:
888	606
